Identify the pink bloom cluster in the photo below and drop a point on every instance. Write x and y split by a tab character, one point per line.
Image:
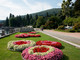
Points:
50	43
54	55
24	35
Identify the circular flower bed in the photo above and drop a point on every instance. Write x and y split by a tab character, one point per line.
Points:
20	45
50	43
24	35
34	35
32	32
42	53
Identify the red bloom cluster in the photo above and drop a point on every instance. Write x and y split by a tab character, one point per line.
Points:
50	43
34	35
32	32
24	35
40	49
20	42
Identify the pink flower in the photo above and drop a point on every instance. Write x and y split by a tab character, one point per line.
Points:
54	55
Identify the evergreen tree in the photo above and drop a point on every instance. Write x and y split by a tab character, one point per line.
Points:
40	21
36	16
7	22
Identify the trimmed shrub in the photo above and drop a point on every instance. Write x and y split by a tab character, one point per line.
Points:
71	30
61	27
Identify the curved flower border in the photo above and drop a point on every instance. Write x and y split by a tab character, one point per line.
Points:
49	43
24	35
13	47
52	54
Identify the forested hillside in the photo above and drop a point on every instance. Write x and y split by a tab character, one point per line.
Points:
53	11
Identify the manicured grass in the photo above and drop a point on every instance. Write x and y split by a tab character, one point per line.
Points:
69	51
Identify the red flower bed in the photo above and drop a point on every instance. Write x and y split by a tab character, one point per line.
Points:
50	43
24	35
34	35
40	49
20	42
32	32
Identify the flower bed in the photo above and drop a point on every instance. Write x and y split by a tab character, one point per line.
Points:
42	53
32	32
24	35
34	35
50	43
20	45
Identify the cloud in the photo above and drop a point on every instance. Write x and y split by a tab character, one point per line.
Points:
37	6
7	7
59	4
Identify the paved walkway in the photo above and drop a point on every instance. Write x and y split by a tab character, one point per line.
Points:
71	38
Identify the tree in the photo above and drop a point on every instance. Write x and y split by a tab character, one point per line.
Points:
40	21
36	16
7	22
77	7
10	17
47	15
66	7
49	25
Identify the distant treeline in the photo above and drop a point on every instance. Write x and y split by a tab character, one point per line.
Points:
51	19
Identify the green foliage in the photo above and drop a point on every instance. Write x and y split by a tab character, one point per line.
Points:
66	8
76	26
40	21
61	27
7	22
77	7
49	25
48	12
71	21
71	30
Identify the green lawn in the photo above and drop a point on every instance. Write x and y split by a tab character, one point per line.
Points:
69	51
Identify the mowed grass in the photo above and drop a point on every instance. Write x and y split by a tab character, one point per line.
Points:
70	52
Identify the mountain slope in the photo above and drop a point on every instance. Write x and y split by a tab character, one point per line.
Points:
49	11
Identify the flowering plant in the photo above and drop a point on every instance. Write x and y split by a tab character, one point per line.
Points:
20	45
32	32
42	52
50	43
34	35
24	35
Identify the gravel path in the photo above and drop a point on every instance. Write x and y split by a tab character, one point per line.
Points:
73	38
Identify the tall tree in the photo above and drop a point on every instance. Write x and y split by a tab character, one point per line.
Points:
40	21
77	7
66	7
7	22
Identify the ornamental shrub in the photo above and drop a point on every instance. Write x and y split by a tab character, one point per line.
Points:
76	26
60	27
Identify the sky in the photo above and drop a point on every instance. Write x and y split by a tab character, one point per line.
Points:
22	7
